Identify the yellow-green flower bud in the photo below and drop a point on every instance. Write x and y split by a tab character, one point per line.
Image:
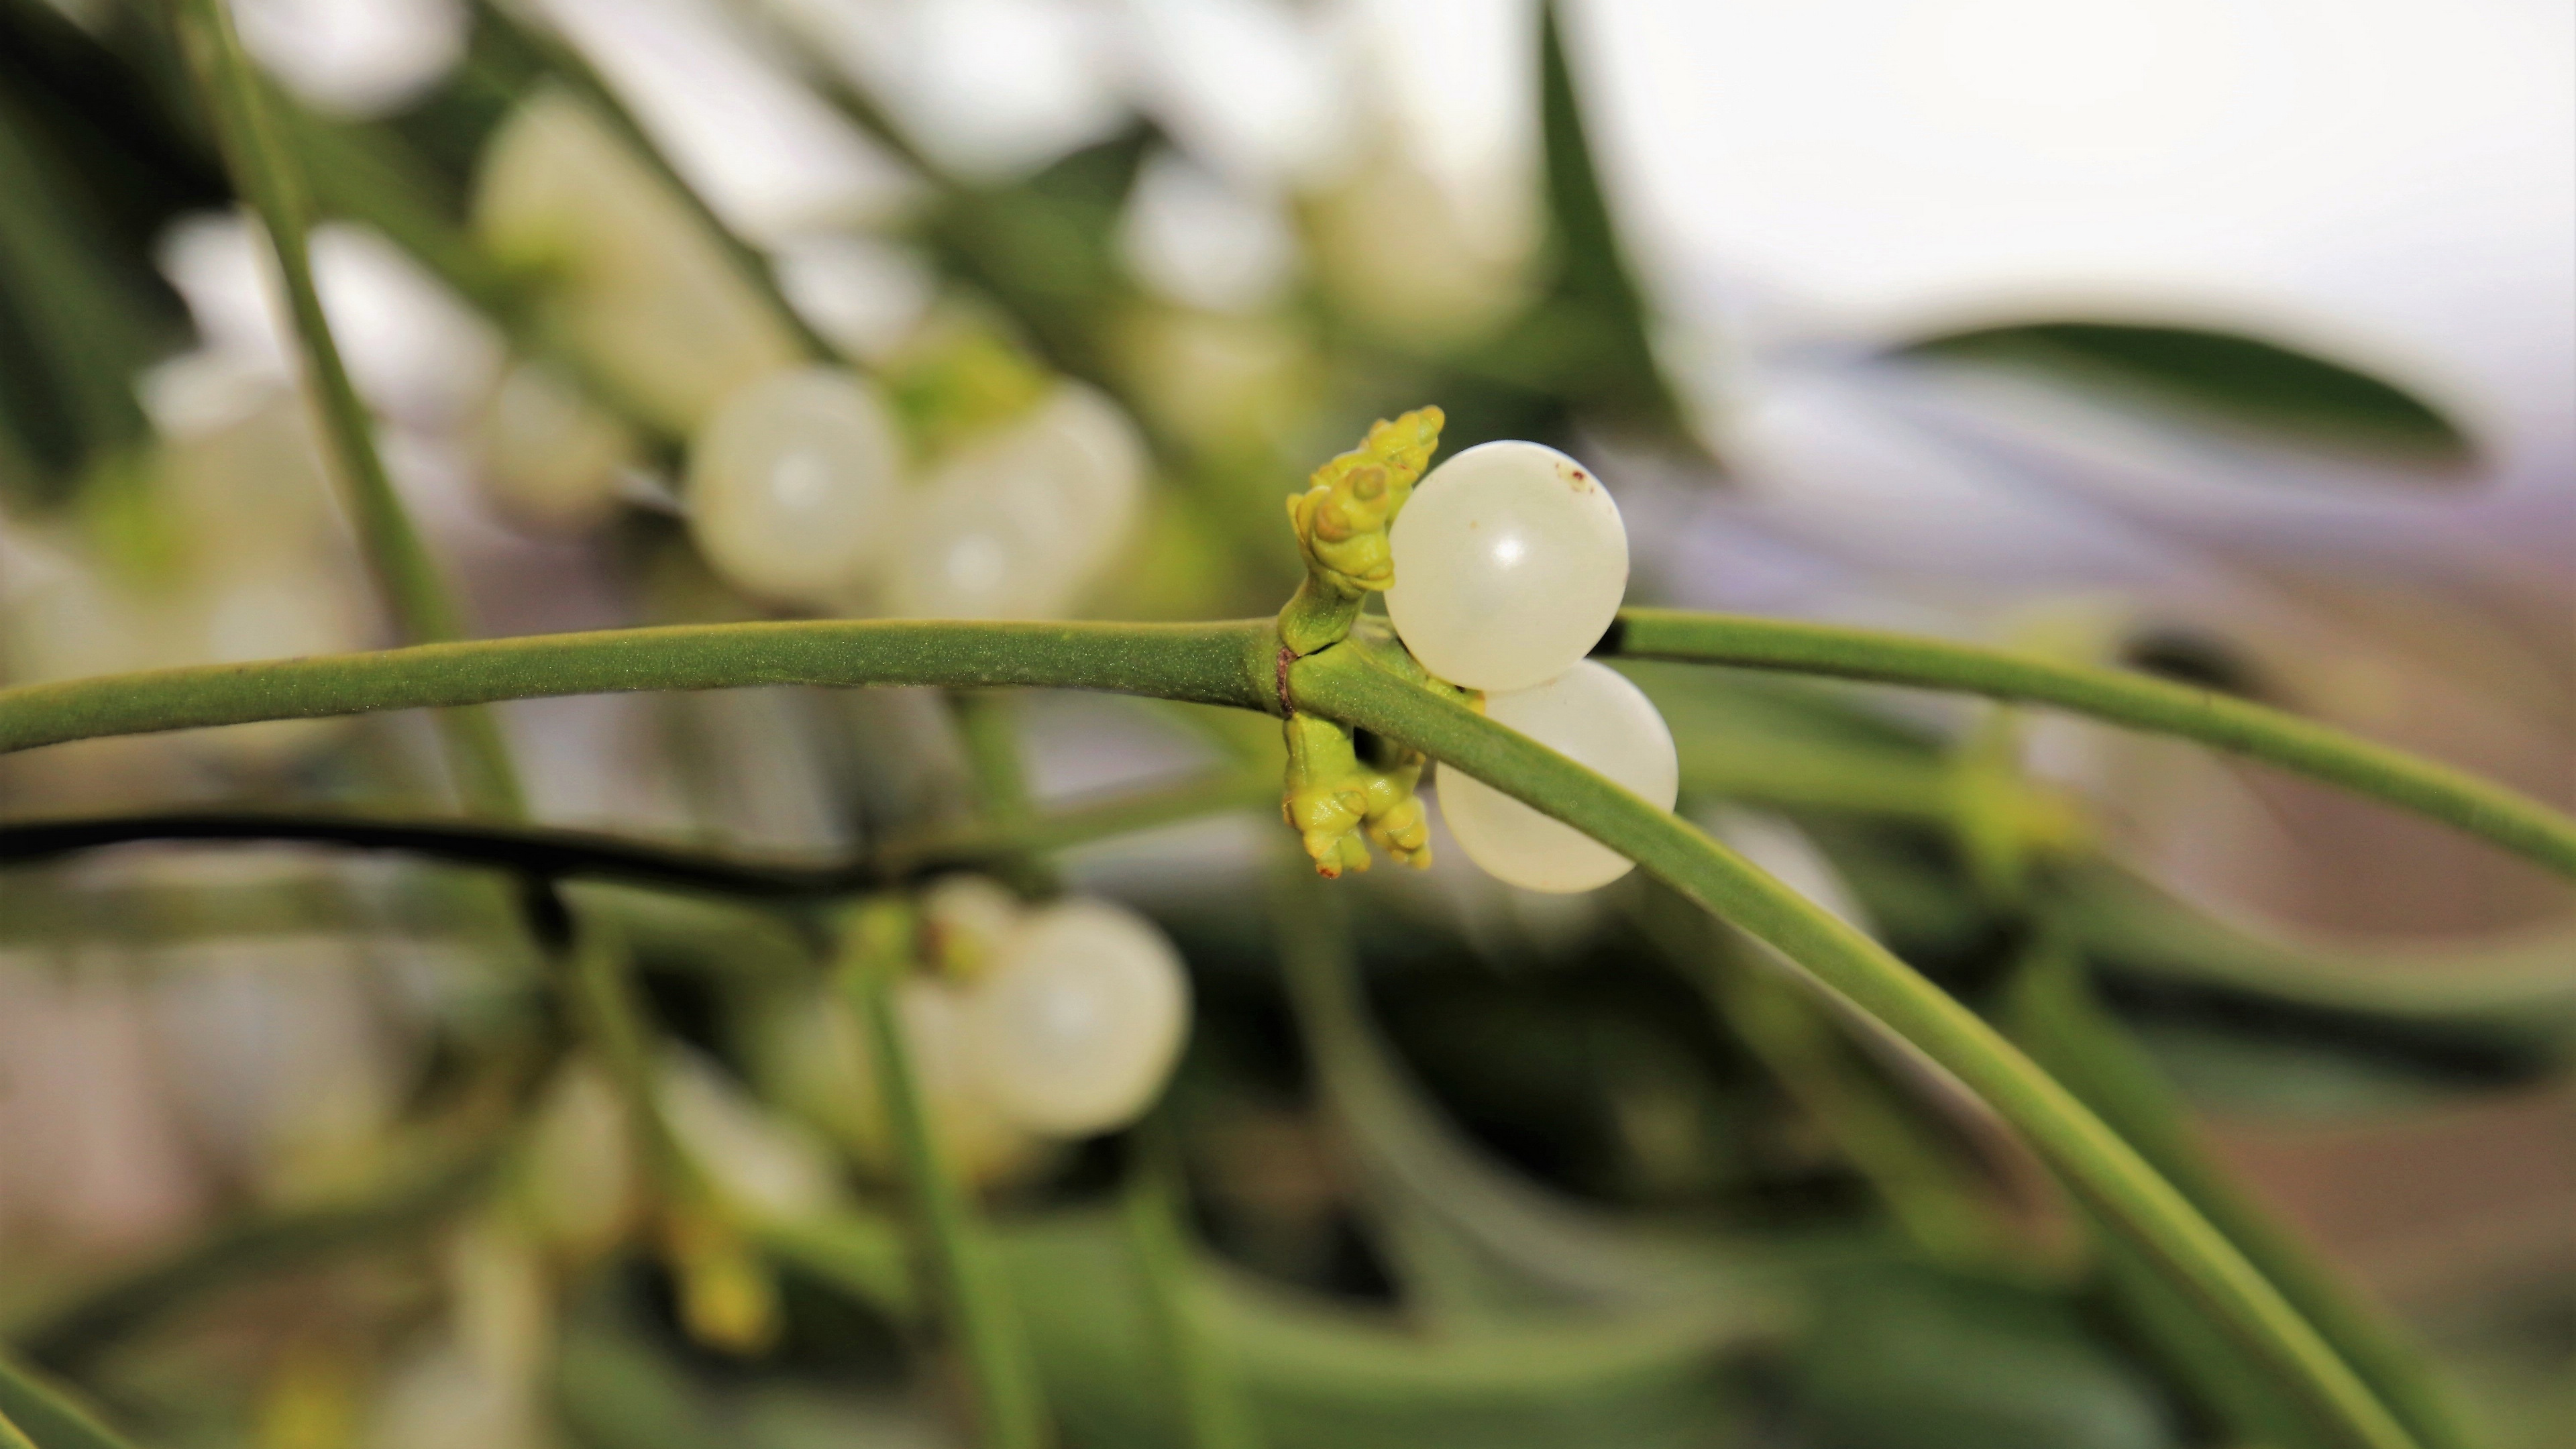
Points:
1341	522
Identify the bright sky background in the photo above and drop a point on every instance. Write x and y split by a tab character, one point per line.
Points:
2395	179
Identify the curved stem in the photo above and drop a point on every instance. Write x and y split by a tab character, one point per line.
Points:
1344	684
2514	821
2520	986
1224	663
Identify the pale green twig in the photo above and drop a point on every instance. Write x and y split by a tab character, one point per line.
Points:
962	1279
268	174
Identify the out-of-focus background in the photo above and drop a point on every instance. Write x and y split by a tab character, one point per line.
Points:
2233	340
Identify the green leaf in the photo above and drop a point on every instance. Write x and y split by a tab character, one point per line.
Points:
2225	379
2049	1008
1319	1373
1905	1357
1592	322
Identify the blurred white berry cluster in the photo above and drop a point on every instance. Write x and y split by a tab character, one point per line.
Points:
806	486
1033	1024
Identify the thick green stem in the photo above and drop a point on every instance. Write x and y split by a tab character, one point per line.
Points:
1344	684
962	1278
2511	820
266	172
1226	663
1317	615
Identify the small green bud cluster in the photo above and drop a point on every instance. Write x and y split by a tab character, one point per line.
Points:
1341	788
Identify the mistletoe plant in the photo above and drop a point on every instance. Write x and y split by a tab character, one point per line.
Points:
1503	572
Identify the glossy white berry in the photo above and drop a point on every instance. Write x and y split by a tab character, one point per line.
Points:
1018	524
793	486
1596	717
1510	561
1074	1029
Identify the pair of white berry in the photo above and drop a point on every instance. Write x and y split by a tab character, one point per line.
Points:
797	494
1510	562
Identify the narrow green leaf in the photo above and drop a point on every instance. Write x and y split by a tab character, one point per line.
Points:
2223	378
1595	312
1195	1358
42	1414
2050	1011
2519	987
90	334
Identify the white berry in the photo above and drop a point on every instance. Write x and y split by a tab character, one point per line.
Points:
1595	717
792	485
1076	1026
1018	524
1510	561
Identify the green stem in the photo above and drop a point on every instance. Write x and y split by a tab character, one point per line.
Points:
1221	663
13	1437
727	1299
964	1280
2509	819
1317	616
988	725
46	1415
1344	684
1207	1400
266	172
